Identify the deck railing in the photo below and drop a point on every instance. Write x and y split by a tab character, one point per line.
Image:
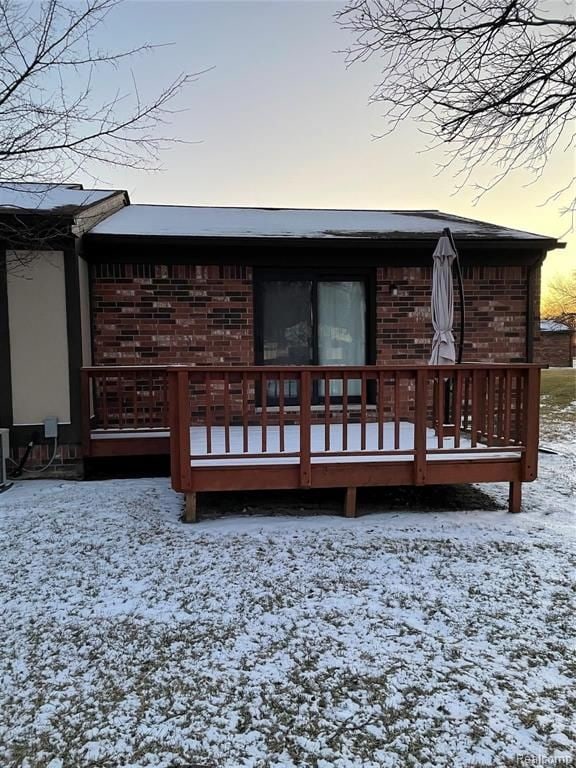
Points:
123	399
303	413
284	427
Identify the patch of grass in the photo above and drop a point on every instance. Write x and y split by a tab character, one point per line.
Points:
559	387
558	403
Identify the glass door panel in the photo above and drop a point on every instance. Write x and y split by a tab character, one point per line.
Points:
287	330
342	330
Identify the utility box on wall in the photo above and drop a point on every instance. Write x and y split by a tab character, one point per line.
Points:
51	427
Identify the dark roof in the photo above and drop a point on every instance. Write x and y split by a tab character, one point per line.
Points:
215	222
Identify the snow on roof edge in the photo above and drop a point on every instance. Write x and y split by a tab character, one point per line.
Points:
161	220
548	326
51	199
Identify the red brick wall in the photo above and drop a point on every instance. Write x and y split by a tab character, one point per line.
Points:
555	348
204	314
159	314
66	462
495	328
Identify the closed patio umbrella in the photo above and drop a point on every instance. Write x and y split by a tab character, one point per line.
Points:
443	348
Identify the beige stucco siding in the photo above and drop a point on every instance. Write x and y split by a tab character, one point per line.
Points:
38	338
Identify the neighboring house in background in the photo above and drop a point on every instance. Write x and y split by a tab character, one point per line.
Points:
121	284
556	346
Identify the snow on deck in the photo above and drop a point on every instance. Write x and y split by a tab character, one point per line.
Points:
199	221
256	453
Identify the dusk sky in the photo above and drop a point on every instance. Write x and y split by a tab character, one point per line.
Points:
279	120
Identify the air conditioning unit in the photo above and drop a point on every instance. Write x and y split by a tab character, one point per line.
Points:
4	453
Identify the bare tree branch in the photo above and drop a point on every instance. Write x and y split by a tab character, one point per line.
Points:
492	81
559	303
51	118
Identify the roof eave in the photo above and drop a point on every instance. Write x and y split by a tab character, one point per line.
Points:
539	243
62	211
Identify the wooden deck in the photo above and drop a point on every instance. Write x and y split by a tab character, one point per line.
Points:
267	427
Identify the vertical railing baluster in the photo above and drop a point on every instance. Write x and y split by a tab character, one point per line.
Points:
396	411
434	403
363	411
120	390
482	413
440	386
281	412
507	406
264	412
466	410
163	389
134	377
104	394
475	408
457	408
245	412
499	431
208	414
344	411
148	403
226	412
380	411
327	382
518	407
490	407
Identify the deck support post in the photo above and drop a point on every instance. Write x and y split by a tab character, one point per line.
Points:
350	502
515	497
531	415
191	508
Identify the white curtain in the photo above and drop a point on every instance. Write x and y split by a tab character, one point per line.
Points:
342	328
443	348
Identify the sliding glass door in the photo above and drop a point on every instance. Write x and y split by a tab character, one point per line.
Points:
314	321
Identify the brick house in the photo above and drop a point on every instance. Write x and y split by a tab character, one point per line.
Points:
122	284
556	347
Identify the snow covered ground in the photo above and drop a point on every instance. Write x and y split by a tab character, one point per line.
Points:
397	639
